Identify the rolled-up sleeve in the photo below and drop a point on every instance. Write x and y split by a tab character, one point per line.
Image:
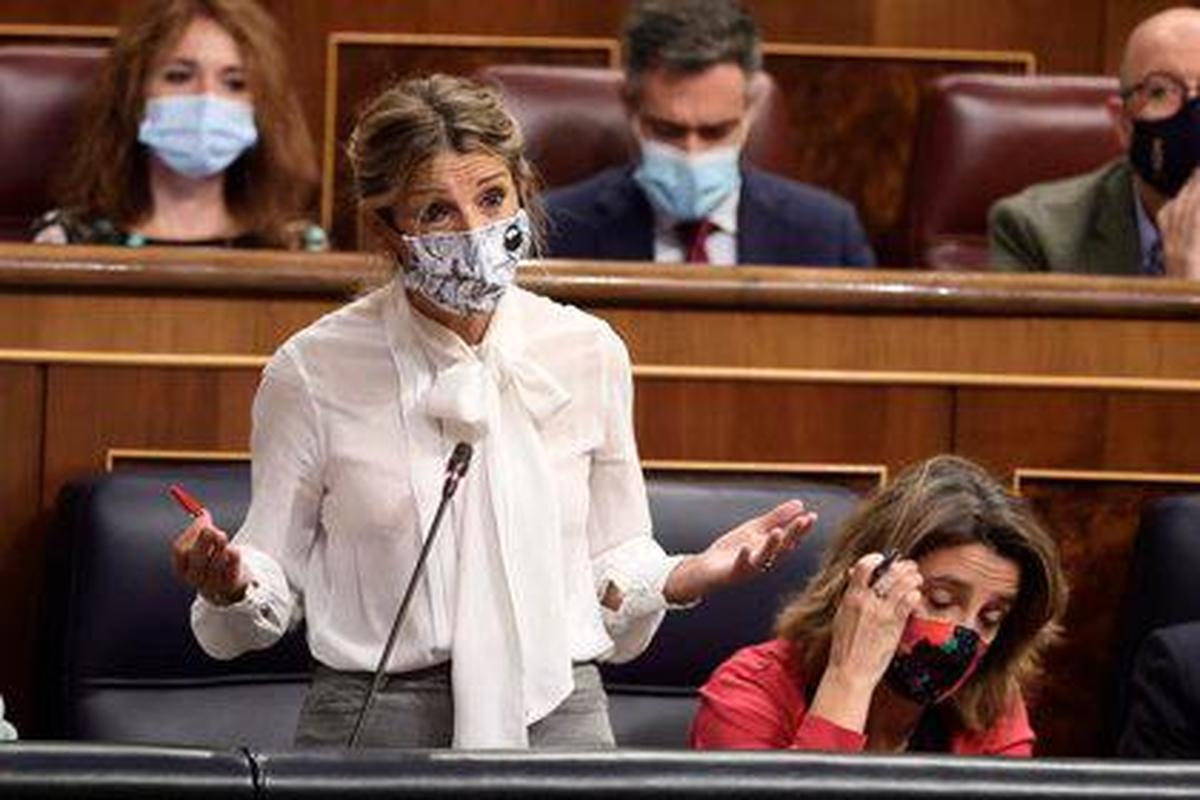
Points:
275	540
624	554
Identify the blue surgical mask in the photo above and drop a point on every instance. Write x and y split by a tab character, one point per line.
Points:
687	186
197	135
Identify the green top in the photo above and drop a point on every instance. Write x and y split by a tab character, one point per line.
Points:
69	227
1083	224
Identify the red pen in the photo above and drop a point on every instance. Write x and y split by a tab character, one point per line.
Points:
189	504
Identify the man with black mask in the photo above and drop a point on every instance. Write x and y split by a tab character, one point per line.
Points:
1139	215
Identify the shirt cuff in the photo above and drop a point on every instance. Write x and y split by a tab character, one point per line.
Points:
817	733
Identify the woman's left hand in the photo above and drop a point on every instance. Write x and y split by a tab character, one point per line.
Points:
748	550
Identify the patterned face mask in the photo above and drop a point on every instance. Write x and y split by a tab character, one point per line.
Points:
468	272
933	659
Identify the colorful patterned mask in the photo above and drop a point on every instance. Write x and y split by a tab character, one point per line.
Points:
933	659
468	272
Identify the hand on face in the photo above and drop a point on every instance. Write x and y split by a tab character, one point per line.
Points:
746	551
203	558
1179	226
870	619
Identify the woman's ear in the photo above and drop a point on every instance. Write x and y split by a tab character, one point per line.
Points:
381	232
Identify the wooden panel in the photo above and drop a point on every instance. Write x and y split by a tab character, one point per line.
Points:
1094	519
1025	327
909	342
735	421
860	478
180	325
84	35
91	410
840	99
1120	18
21	552
1077	429
1064	35
360	65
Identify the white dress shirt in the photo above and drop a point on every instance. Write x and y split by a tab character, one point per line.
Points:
721	244
353	422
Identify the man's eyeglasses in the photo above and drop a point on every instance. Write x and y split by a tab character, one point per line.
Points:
1157	96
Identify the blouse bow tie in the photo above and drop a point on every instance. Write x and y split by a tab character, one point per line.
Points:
462	393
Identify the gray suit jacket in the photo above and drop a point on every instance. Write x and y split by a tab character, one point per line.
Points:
1083	224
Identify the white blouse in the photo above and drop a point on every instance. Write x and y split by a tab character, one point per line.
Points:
352	425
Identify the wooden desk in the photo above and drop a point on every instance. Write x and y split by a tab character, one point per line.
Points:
1082	391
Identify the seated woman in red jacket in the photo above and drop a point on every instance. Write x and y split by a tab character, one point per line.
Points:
923	649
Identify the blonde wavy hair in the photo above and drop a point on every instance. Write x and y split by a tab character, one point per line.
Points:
408	124
946	501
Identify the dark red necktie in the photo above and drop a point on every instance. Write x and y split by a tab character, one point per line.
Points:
693	235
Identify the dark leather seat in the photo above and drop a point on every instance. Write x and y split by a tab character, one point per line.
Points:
42	89
1164	584
652	698
984	137
129	669
575	123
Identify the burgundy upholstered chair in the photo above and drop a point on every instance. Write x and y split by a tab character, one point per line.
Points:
575	123
42	88
984	137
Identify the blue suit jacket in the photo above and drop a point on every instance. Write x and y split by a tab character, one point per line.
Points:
780	222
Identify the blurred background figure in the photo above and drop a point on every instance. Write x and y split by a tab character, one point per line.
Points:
1139	215
923	650
193	137
1164	705
690	198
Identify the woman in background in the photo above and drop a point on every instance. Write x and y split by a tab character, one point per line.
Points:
925	650
192	137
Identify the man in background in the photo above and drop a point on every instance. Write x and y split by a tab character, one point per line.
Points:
690	198
1164	708
1139	215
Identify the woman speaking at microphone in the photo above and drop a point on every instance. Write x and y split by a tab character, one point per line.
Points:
192	137
546	562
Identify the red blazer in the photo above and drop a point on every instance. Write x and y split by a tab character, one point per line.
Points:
756	700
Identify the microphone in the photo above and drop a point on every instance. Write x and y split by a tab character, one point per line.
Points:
456	468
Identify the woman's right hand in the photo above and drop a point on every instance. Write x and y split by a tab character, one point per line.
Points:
205	560
866	631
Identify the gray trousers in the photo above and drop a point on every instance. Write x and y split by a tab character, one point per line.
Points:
417	710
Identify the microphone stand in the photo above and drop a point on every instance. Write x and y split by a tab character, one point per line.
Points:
456	468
